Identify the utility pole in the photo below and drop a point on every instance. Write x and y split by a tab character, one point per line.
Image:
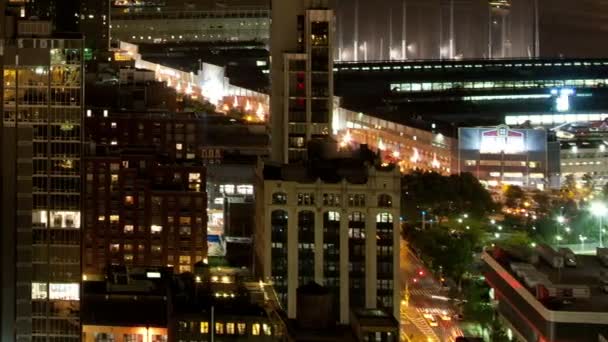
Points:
404	32
390	34
451	29
356	33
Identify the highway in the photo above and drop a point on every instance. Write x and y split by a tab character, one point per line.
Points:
426	298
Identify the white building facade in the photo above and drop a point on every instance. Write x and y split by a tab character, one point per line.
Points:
342	235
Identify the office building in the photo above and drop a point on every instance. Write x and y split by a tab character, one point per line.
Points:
128	88
95	24
187	22
143	211
302	37
499	156
538	302
476	92
586	161
41	139
162	187
334	221
129	304
154	305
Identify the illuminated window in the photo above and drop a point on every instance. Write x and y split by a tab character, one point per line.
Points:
227	189
184	259
184	220
384	218
219	328
266	329
241	328
39	291
178	146
101	218
113	124
114	218
128	257
204	327
114	178
129	200
194	181
279	198
333	216
255	329
245	189
128	247
185	231
230	328
114	247
306	198
156	249
156	229
69	291
128	229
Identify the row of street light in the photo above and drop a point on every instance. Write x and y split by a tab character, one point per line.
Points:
597	209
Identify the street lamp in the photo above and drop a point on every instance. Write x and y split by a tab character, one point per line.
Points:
582	238
560	219
599	210
558	238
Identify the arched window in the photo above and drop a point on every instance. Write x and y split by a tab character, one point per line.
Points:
278	220
384	218
385	201
333	216
279	198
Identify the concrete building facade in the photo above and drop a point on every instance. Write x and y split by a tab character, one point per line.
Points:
342	233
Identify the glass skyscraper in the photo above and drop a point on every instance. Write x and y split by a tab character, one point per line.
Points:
41	146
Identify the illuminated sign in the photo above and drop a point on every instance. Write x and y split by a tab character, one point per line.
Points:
211	155
502	140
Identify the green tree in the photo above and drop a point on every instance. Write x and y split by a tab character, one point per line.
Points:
444	196
542	202
514	196
588	184
605	191
568	190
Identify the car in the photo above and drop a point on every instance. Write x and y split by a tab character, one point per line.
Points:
431	319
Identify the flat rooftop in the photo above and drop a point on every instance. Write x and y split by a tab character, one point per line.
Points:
587	273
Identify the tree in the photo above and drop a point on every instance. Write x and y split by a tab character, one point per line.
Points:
514	196
568	190
444	196
542	201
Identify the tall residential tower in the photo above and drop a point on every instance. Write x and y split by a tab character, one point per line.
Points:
302	39
41	143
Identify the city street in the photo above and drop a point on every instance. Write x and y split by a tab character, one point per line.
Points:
426	315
